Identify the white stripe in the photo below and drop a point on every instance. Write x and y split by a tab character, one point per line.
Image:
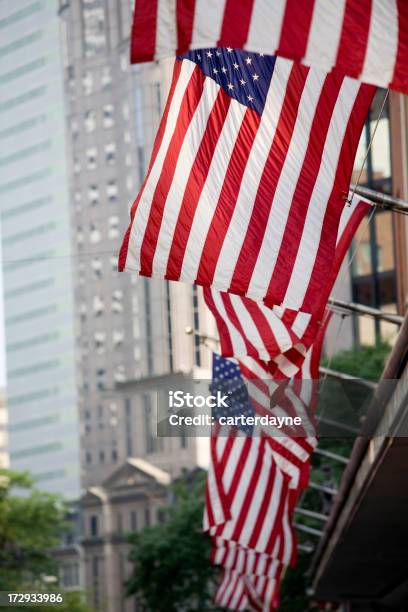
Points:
285	189
207	23
232	463
211	192
271	512
184	165
382	43
238	345
251	331
252	175
324	35
239	496
265	26
166	30
253	516
310	240
142	213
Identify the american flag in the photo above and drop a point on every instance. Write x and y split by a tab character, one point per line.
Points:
255	593
246	327
367	39
246	182
243	560
227	379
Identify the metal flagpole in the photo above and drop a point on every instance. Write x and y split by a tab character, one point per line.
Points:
368	311
382	200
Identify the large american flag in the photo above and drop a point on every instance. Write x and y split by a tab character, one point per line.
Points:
247	178
246	327
367	39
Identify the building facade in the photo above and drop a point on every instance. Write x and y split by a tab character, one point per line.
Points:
127	327
4	453
36	249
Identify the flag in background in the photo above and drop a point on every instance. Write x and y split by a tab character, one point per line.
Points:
247	178
367	39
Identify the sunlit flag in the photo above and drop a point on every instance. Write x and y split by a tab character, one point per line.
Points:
248	177
367	39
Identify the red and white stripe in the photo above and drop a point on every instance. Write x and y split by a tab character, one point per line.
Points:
244	203
255	593
257	493
367	39
247	327
245	561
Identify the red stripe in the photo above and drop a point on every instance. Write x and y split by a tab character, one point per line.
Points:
223	331
336	202
400	77
264	327
143	36
293	233
277	526
295	29
188	107
269	181
195	184
262	513
185	20
249	498
156	147
228	197
354	37
235	24
218	478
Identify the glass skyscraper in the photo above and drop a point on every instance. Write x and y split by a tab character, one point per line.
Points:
36	243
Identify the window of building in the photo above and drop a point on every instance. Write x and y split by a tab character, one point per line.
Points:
96	266
99	339
161	516
93	194
113	231
150	437
101	456
108	116
373	269
147	517
120	374
93	526
120	522
114	455
133	520
118	337
110	153
91	154
112	191
127	137
87	83
88	458
94	30
129	183
117	301
94	234
90	121
98	305
106	77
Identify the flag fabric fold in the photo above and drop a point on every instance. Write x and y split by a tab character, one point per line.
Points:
367	39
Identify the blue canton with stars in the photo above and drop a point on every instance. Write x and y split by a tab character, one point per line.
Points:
244	76
227	380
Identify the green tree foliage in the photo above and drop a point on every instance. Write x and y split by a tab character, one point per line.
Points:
364	362
171	561
31	523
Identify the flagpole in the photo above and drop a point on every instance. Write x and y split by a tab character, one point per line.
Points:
363	310
382	200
